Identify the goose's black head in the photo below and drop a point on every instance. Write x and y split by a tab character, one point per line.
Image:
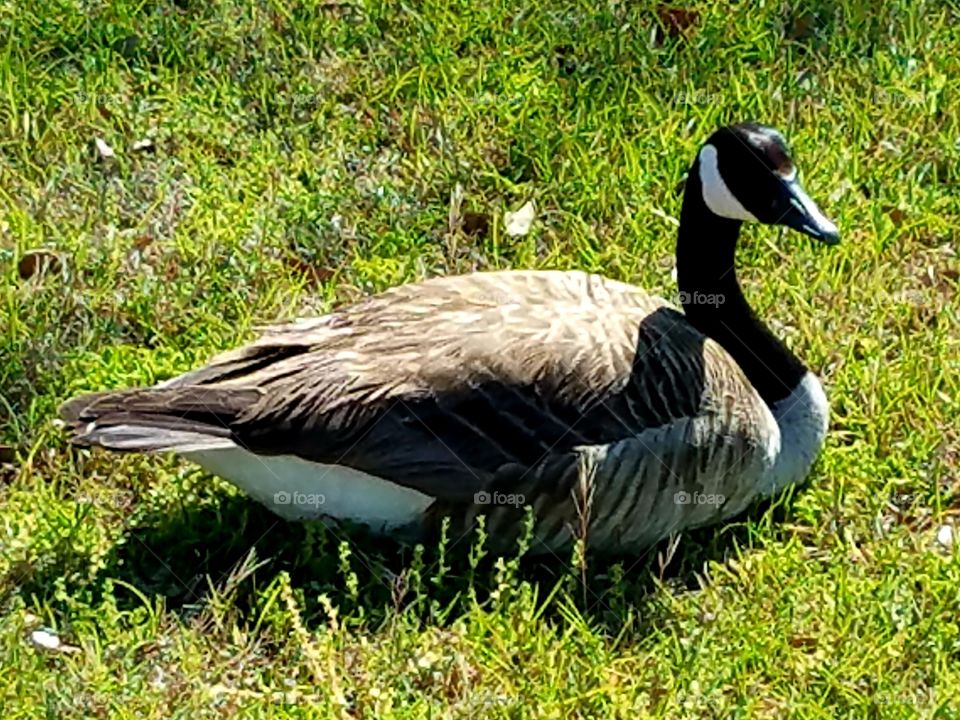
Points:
746	174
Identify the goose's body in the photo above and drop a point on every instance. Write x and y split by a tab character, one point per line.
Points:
611	413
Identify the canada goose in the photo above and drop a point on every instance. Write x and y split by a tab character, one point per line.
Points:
615	416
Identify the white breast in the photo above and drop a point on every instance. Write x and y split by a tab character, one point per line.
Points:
297	489
803	417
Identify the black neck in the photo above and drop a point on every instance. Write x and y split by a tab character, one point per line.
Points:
706	244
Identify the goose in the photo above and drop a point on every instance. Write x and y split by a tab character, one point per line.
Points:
614	416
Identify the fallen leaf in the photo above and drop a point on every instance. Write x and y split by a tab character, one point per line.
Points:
143	241
313	274
143	145
895	214
128	46
945	537
142	249
38	262
840	191
803	641
802	27
454	218
49	641
889	146
518	223
475	224
677	21
104	151
565	60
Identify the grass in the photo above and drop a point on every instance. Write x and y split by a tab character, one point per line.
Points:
307	154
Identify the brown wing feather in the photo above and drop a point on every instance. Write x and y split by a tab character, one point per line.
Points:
442	384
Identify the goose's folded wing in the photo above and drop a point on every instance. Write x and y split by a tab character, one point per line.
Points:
450	384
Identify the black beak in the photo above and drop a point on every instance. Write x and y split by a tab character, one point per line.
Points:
802	214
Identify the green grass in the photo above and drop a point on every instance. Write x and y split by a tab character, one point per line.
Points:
306	156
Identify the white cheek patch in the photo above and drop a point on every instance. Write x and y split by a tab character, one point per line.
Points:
716	194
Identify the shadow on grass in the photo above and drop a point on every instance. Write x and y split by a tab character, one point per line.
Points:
180	556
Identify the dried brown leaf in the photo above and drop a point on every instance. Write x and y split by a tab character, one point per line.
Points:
39	262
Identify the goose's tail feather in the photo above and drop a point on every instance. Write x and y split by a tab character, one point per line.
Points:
181	419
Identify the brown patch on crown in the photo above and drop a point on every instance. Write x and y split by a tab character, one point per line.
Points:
782	165
774	151
767	145
786	169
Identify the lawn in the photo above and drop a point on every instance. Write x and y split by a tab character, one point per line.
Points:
190	170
